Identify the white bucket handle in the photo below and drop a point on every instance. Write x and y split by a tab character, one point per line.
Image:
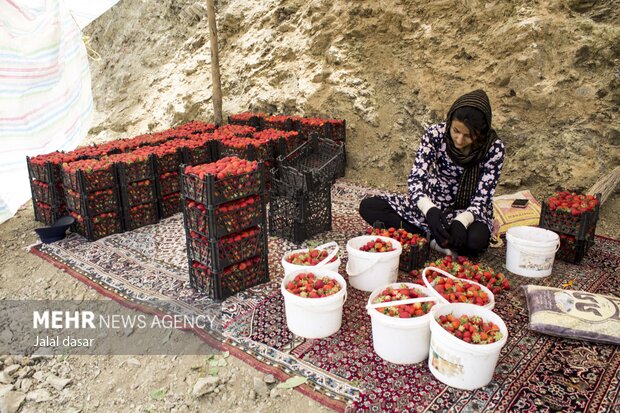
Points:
400	302
373	260
447	274
330	255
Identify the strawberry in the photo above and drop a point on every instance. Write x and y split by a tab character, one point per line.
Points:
313	287
472	329
377	245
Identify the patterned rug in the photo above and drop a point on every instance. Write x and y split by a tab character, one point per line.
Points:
535	372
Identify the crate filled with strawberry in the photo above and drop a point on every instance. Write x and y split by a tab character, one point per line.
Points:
416	250
200	148
48	214
462	267
570	213
282	122
170	204
133	167
47	167
315	163
51	194
573	217
196	127
140	215
225	180
298	215
220	220
573	250
249	148
98	226
138	192
93	203
168	182
233	131
282	142
238	277
168	155
333	129
254	120
89	175
225	251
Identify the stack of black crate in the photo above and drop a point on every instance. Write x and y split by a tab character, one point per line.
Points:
136	178
48	197
300	192
226	235
93	199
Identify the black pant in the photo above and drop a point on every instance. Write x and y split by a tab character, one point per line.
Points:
376	209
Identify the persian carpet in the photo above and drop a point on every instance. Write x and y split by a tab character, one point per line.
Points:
535	372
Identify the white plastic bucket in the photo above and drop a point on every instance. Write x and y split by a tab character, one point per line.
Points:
530	251
370	270
457	363
490	305
399	340
314	317
333	266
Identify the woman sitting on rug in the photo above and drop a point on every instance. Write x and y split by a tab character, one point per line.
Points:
452	182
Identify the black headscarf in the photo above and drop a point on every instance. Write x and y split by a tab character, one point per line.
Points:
470	161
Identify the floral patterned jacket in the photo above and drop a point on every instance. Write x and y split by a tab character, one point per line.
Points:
434	174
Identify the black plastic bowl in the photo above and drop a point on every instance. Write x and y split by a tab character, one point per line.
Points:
57	231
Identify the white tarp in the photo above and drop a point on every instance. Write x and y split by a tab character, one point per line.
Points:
45	89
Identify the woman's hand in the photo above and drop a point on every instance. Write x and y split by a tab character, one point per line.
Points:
458	234
438	226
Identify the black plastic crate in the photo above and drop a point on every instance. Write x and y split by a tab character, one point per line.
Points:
48	214
204	153
140	215
573	250
330	129
138	192
220	285
52	194
284	145
300	216
168	183
255	120
98	226
581	227
412	257
169	205
82	182
231	249
169	162
315	163
209	191
136	171
48	172
250	152
281	122
90	204
218	221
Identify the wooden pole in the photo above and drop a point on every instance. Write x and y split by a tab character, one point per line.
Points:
215	65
